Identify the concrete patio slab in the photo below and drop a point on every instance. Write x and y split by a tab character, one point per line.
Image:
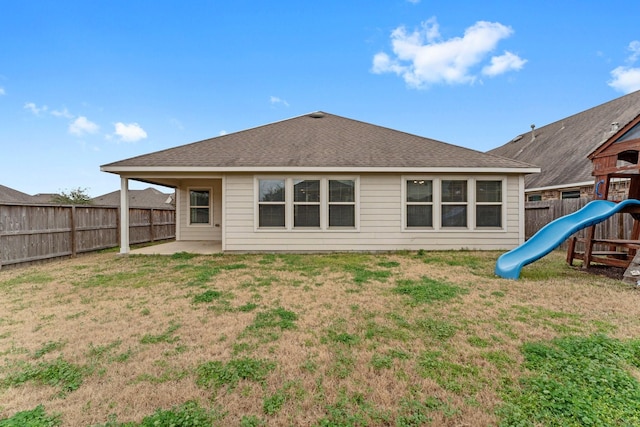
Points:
194	247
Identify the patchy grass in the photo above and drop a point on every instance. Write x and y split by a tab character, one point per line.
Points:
403	339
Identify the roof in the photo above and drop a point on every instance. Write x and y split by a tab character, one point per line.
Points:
317	140
10	195
147	198
561	148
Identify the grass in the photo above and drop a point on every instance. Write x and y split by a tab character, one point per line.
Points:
400	339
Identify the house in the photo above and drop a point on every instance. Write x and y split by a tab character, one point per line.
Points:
321	182
9	195
562	148
147	198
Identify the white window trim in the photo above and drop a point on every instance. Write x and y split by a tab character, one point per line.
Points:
437	204
501	203
289	204
199	188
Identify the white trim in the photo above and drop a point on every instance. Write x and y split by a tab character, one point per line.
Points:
178	217
521	203
124	215
132	170
223	221
561	186
188	210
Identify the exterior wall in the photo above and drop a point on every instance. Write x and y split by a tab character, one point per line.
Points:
186	231
380	216
618	190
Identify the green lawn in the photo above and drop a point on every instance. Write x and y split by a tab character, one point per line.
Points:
399	339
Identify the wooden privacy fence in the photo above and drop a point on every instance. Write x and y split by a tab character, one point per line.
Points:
539	214
36	232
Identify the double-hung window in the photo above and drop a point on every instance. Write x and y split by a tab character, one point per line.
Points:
419	199
342	203
454	203
306	203
271	203
488	203
199	207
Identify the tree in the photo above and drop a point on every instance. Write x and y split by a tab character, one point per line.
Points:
76	196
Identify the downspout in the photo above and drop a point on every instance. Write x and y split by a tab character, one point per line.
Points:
124	215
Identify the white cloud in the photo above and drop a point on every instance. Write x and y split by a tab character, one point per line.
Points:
502	64
64	113
34	108
634	47
423	58
414	1
82	126
131	132
626	79
275	100
2	92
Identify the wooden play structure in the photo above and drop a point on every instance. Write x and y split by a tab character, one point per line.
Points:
616	158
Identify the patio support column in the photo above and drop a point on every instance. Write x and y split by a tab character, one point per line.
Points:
124	215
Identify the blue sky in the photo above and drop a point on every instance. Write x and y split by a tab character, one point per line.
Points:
85	83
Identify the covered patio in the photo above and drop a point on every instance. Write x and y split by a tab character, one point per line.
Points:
201	247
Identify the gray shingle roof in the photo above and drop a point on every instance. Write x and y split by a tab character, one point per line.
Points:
147	198
319	140
561	148
13	196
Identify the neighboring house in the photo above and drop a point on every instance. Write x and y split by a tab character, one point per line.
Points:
147	198
10	195
44	198
321	182
561	150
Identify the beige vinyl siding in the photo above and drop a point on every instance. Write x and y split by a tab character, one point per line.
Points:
380	221
200	231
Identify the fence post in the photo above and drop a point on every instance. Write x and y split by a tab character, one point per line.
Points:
152	234
73	231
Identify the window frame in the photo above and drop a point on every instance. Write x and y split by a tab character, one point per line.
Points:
209	207
573	193
470	204
407	203
289	182
260	203
492	203
354	203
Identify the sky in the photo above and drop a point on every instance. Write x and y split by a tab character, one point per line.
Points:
86	83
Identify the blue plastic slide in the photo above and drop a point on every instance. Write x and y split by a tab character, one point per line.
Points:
553	234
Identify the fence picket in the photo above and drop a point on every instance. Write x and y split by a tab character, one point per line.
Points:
37	232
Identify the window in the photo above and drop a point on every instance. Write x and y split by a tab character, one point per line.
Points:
431	203
488	203
419	199
454	203
271	203
199	207
534	198
306	203
573	194
342	203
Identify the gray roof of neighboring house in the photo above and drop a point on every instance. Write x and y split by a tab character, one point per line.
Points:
561	148
12	196
147	198
318	140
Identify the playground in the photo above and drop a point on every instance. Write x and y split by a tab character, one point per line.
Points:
615	159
